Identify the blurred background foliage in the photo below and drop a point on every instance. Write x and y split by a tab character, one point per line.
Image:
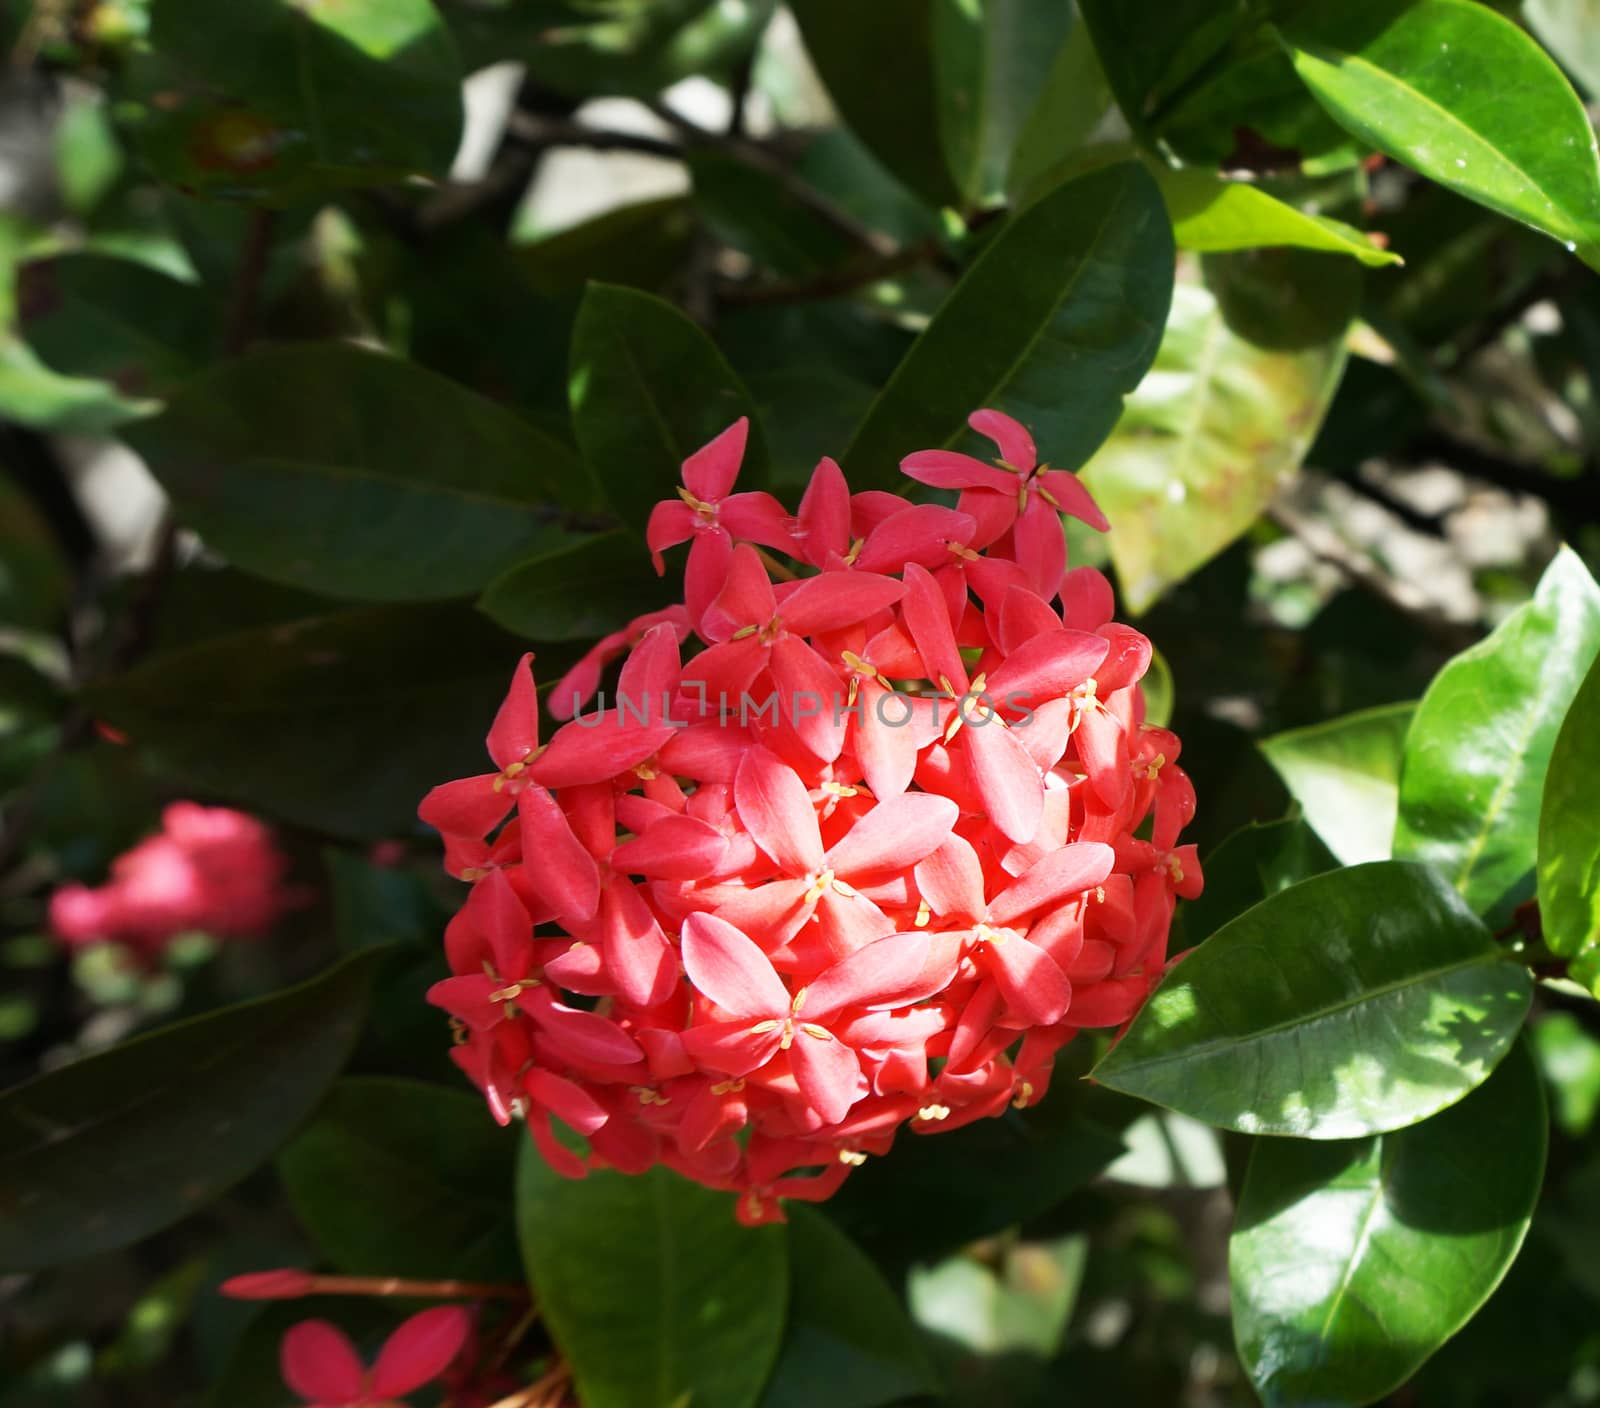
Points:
307	418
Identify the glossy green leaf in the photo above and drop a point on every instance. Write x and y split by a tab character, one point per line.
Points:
1073	100
1211	214
274	96
1473	775
120	1144
1159	691
1569	839
399	1178
1209	436
878	65
1355	1002
848	1341
1570	29
33	395
1054	323
1345	774
340	723
1428	83
1353	1261
992	61
116	320
577	592
1253	863
1150	49
648	389
685	1306
1020	1306
349	472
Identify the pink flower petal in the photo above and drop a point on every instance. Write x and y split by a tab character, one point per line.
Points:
920	534
776	809
1006	778
468	807
831	601
879	975
896	833
1046	667
929	624
709	473
758	518
1073	497
746	598
566	877
828	1073
419	1350
823	523
515	731
951	880
321	1365
723	964
1010	437
1068	871
671	522
946	469
1034	987
674	848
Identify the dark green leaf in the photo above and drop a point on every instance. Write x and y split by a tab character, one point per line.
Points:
340	723
121	321
346	471
636	245
578	592
1352	1003
1205	443
1256	861
684	1306
649	389
1074	99
1150	48
1054	323
1569	839
1353	1261
992	62
1212	215
1473	775
848	1342
120	1144
1346	776
399	1178
749	209
375	905
282	97
878	66
1427	82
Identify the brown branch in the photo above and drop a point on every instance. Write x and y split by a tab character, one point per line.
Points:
834	283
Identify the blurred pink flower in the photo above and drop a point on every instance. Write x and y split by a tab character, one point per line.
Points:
321	1365
209	869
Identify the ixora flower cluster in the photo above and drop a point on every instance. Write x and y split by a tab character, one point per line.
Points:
888	838
210	870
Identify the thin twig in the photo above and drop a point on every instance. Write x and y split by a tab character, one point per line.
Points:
834	283
1327	546
834	216
415	1290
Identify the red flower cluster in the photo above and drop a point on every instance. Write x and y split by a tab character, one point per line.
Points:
209	869
868	858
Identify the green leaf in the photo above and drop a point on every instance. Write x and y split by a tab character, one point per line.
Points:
638	245
1428	83
117	320
1253	863
992	59
347	471
1345	774
749	209
285	98
848	1341
1159	690
878	65
399	1178
1569	840
1211	435
1569	1059
1352	1003
577	592
1150	48
1353	1261
1570	29
121	1144
684	1306
1473	775
1054	323
340	723
648	389
1020	1307
1074	99
1212	215
33	395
